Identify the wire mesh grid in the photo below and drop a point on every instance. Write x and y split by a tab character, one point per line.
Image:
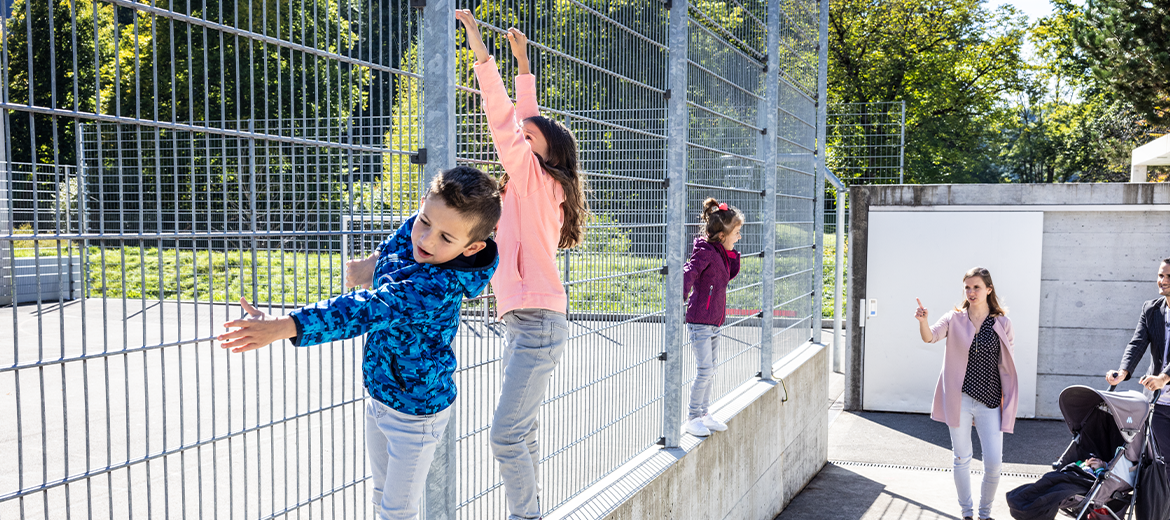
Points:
603	403
796	254
866	141
164	159
724	93
188	154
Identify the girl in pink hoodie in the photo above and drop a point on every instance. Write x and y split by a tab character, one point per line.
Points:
544	209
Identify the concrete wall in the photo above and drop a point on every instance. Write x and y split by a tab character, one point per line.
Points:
1102	244
776	443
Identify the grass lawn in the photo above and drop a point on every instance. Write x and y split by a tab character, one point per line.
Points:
302	278
597	283
829	257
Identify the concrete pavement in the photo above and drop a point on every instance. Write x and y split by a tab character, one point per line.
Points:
897	466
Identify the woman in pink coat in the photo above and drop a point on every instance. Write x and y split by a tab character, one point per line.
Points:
978	383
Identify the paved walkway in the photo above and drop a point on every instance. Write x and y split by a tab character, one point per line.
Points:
897	466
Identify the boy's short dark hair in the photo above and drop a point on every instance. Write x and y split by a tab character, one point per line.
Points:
472	193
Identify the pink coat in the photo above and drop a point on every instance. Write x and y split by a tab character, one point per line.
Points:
530	226
958	330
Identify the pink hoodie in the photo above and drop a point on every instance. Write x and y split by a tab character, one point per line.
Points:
530	226
948	394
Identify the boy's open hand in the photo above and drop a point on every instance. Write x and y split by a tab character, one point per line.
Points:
257	330
360	273
474	39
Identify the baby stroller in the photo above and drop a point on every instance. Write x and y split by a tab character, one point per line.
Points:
1113	427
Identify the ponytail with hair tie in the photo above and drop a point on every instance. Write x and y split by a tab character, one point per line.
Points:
720	218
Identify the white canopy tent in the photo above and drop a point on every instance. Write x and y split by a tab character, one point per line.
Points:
1153	153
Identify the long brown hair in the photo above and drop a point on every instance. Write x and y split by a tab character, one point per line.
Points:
562	165
992	302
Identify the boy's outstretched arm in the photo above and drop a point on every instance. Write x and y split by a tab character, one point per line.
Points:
257	330
474	39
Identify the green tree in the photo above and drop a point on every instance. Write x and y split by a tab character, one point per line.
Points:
1068	125
104	59
1126	44
951	61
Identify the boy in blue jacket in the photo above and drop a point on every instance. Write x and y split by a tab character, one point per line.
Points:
420	276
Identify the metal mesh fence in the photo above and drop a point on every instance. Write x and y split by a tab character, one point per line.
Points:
866	144
866	141
164	159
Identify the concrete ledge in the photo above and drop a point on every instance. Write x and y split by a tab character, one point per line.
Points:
776	443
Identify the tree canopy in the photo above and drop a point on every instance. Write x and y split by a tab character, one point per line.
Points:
949	60
1126	44
979	108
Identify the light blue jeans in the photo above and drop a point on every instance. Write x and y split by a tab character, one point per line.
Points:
535	342
705	343
401	447
991	440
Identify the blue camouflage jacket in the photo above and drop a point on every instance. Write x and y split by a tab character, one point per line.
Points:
411	316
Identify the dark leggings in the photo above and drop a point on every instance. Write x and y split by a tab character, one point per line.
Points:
1160	427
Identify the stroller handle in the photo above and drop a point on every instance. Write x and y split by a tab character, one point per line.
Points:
1153	398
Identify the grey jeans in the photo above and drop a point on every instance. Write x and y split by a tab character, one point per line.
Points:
535	342
705	343
404	444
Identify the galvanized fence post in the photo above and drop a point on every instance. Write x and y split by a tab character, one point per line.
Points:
769	120
902	145
822	107
437	154
7	285
838	282
676	201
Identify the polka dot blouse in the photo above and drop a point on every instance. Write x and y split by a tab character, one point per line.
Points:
982	379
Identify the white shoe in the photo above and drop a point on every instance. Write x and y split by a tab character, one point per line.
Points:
713	424
695	427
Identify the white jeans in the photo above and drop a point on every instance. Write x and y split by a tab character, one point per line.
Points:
991	440
401	447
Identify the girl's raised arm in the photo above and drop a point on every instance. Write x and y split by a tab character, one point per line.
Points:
515	153
526	106
474	38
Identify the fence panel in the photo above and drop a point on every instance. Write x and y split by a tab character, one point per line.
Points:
600	69
164	159
866	141
726	58
188	154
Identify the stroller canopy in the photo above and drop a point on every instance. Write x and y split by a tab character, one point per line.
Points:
1127	408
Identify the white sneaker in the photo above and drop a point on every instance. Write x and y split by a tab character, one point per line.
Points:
714	424
695	427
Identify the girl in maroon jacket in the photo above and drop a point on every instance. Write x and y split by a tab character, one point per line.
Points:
714	262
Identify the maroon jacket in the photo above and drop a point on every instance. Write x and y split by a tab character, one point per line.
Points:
708	271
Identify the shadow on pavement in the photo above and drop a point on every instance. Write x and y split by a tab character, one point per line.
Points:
865	498
1034	442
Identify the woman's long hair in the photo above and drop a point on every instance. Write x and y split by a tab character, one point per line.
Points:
562	165
992	301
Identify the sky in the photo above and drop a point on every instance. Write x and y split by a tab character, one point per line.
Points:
1035	9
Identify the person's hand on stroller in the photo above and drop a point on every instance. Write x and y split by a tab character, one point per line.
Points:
1155	383
1114	377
